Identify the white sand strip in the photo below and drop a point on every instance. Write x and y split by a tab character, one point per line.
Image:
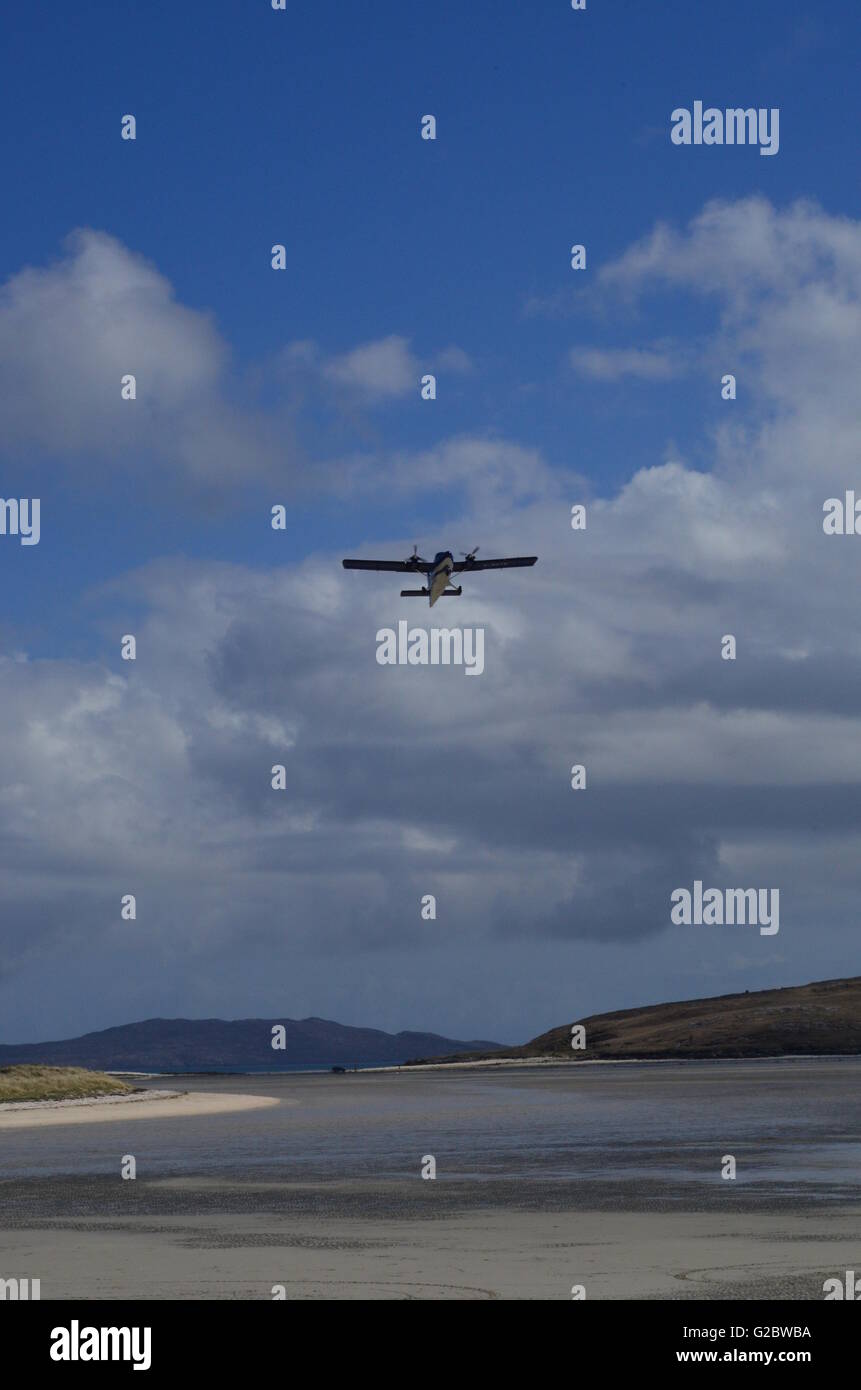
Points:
575	1064
161	1105
486	1062
9	1106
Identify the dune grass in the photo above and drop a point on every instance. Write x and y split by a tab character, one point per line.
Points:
57	1083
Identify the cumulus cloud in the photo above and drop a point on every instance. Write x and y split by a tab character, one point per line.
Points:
72	330
403	781
743	250
69	333
388	368
380	369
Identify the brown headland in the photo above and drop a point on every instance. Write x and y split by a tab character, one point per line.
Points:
820	1019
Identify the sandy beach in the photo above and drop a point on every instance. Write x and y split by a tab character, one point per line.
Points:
152	1105
485	1255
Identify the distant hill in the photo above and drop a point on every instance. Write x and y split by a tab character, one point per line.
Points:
798	1021
183	1044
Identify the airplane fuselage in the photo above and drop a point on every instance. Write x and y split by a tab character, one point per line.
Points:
438	579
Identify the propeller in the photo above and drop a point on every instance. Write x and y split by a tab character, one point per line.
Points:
415	558
472	554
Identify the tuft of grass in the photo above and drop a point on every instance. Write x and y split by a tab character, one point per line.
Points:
57	1083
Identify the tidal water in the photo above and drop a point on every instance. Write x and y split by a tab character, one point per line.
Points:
640	1134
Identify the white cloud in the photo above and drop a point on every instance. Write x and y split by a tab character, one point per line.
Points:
377	370
380	370
70	331
454	359
611	364
744	249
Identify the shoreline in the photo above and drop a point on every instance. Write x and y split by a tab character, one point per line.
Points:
163	1105
555	1061
247	1102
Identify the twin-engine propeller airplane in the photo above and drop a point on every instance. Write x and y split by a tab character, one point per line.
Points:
438	570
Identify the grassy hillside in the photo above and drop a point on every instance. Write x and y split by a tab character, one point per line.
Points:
57	1083
802	1020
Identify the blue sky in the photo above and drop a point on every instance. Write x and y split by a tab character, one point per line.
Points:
256	127
302	127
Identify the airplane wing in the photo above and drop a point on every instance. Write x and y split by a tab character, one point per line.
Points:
399	566
513	563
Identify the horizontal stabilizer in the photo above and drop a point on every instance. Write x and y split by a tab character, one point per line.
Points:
423	593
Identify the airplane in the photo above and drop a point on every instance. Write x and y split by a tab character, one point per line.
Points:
438	570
